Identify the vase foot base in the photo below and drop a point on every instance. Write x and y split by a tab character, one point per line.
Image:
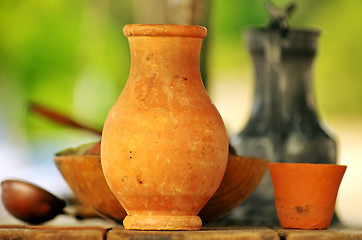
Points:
152	222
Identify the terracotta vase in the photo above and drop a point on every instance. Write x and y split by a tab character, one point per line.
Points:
164	145
305	194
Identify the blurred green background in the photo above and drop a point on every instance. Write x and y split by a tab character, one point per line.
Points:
73	57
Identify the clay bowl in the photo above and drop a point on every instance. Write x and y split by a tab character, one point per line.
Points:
242	176
85	178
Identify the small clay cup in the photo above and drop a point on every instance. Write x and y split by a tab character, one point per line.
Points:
305	193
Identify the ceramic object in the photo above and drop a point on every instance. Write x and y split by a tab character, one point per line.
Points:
305	194
164	145
84	176
242	176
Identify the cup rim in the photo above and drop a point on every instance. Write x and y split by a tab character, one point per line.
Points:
306	164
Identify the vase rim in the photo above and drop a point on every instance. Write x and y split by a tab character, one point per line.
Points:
170	30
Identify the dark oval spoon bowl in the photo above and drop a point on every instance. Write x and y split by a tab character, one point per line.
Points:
29	202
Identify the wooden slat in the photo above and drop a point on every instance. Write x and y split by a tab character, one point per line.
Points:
54	233
228	233
242	233
335	233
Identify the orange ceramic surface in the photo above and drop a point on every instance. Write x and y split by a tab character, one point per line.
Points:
85	178
164	145
305	193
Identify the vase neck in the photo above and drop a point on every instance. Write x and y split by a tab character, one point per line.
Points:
174	57
165	69
266	91
297	90
283	74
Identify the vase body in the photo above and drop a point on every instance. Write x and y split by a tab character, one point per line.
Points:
164	145
283	126
305	194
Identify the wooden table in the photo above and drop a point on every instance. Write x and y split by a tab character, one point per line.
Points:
230	233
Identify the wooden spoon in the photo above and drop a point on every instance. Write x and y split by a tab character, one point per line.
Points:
60	118
29	202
